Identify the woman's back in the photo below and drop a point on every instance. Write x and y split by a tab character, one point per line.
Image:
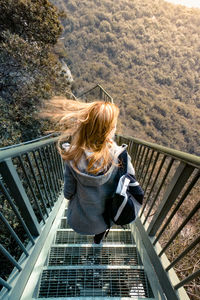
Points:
88	192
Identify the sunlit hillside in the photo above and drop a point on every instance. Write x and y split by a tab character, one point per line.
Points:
145	53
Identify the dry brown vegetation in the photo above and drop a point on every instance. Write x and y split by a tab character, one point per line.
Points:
146	55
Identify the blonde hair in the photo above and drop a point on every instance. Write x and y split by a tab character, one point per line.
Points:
89	125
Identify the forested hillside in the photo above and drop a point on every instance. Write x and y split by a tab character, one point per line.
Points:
146	54
30	68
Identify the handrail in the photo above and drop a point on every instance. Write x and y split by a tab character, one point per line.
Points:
27	142
168	177
183	156
103	94
21	149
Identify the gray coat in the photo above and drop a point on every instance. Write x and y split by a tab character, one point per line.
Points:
87	193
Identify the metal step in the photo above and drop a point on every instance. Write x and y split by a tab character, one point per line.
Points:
94	282
87	255
78	269
68	236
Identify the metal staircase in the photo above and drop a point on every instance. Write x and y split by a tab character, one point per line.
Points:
41	258
74	267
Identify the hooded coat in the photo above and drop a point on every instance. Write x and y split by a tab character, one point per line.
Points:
87	193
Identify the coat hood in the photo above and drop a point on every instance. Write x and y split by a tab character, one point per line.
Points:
94	180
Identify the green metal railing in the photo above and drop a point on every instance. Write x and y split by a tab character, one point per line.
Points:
171	206
96	93
31	180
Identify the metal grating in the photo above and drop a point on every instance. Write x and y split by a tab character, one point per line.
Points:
64	225
71	237
93	256
65	212
94	282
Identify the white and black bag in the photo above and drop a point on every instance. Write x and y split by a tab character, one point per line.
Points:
123	207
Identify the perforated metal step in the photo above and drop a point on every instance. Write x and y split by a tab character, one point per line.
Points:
64	236
78	269
95	282
87	255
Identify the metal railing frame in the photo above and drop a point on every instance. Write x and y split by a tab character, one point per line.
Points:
148	159
103	95
44	178
29	142
187	165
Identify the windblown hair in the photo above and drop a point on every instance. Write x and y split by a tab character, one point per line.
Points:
88	125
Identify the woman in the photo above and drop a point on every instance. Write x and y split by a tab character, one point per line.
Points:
91	161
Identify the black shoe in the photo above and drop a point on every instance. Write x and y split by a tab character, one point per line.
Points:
99	237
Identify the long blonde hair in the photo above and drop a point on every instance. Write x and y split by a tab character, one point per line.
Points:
88	125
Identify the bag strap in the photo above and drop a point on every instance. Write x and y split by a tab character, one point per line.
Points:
122	170
123	161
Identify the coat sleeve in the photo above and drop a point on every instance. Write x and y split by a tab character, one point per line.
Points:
69	183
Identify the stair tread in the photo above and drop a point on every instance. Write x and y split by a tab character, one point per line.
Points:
80	255
94	282
114	236
95	298
78	269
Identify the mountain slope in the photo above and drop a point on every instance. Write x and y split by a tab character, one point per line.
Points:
146	55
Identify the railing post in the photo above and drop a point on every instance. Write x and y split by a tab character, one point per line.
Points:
12	180
180	178
100	93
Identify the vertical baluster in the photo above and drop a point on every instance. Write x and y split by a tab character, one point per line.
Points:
161	185
182	254
137	157
130	150
49	174
57	156
141	169
54	150
42	180
135	149
152	170
61	165
180	178
30	185
15	209
140	161
147	169
185	194
150	176
100	93
187	219
46	179
14	235
54	167
37	184
187	279
10	258
57	163
18	193
5	284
